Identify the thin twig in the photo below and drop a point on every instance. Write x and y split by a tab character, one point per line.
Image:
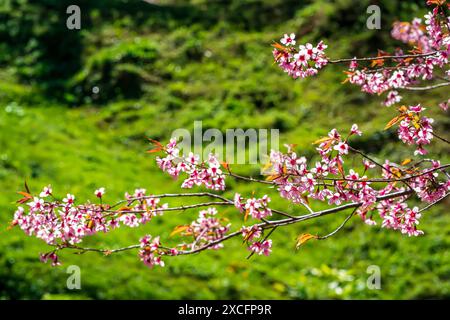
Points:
180	208
378	164
265	238
340	227
250	179
172	195
435	202
440	138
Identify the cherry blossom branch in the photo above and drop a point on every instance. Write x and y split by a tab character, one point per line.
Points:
226	202
270	225
430	87
104	251
278	223
171	195
385	57
179	208
249	179
375	180
263	240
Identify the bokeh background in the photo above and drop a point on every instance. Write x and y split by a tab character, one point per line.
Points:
160	66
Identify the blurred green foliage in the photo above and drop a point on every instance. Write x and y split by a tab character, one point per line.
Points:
159	67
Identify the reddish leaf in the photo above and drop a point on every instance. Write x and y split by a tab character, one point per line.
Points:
155	150
156	143
225	165
25	194
341	170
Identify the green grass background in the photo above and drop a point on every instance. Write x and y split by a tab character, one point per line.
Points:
161	67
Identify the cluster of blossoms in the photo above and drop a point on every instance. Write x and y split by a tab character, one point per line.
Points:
397	216
261	247
302	62
65	223
431	40
151	251
56	222
432	48
144	209
414	129
52	256
207	173
251	235
412	33
206	229
392	98
297	182
427	185
256	208
444	105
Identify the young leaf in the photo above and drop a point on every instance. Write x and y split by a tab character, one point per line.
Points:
406	161
178	229
303	238
321	140
394	121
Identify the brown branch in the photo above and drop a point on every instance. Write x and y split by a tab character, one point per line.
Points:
180	208
105	251
387	180
284	222
172	195
383	57
249	179
430	87
227	202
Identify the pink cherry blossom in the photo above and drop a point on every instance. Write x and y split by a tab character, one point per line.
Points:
47	191
99	192
261	248
341	147
288	40
302	62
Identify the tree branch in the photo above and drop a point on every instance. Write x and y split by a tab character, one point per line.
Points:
427	87
383	57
